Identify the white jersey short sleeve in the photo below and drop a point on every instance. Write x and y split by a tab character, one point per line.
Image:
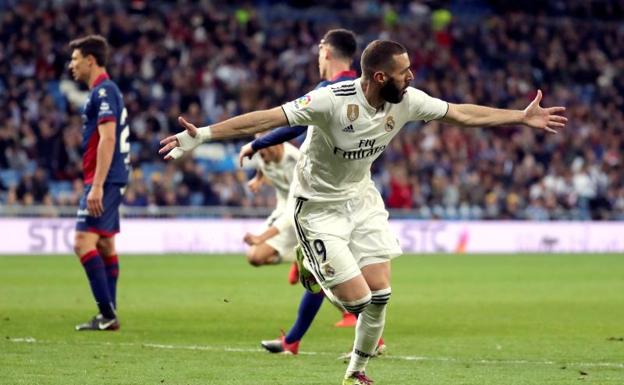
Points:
425	107
314	108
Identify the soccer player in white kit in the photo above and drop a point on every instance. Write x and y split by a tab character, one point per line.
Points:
340	218
276	244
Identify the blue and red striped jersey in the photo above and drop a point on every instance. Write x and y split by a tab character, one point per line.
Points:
105	104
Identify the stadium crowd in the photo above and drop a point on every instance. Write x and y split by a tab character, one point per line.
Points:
209	62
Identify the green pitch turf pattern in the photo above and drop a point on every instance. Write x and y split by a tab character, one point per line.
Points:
499	320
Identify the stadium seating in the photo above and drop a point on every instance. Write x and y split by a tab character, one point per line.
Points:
494	53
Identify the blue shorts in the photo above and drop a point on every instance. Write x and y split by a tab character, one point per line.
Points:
106	225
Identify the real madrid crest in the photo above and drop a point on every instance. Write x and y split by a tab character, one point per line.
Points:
389	123
353	111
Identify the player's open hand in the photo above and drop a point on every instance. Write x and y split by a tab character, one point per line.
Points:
177	145
245	152
548	119
94	201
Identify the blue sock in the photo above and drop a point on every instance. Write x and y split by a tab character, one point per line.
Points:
112	273
94	267
308	307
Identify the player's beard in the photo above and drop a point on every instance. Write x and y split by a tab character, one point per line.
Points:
391	93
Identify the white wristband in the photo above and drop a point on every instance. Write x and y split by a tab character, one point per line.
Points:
205	133
188	143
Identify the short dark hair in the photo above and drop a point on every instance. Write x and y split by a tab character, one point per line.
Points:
378	55
94	45
342	41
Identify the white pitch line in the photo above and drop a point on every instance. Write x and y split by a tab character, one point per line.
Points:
31	340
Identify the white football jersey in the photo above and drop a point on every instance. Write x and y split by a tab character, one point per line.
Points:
347	134
281	173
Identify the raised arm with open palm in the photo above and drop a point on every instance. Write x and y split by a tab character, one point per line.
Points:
547	119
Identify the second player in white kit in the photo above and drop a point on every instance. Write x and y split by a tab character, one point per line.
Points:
276	244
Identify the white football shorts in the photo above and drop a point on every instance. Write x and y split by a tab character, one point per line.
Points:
340	238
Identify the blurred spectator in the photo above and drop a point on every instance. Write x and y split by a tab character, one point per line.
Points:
400	194
33	187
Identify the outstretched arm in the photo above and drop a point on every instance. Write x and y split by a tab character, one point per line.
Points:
277	136
311	109
244	125
534	115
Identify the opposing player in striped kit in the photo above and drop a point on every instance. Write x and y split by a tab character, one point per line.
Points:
105	166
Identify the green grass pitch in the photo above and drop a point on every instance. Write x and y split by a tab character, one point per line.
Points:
499	320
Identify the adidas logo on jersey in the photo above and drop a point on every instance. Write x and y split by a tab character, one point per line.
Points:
344	90
349	128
